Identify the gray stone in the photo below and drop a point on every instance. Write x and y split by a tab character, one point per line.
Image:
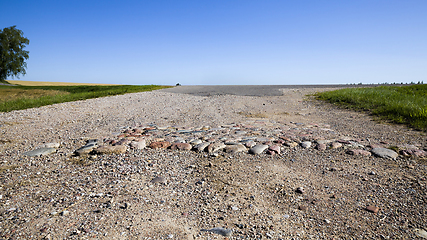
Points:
221	231
158	179
385	153
86	149
257	149
40	152
201	146
138	144
420	232
215	147
306	144
195	142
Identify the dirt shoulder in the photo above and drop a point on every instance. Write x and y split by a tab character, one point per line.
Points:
294	190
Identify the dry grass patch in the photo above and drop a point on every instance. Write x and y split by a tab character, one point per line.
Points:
9	94
37	83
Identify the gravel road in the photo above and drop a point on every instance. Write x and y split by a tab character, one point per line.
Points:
276	165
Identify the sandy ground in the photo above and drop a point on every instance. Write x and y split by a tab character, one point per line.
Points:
301	193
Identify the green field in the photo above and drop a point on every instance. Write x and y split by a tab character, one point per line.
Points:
404	104
23	97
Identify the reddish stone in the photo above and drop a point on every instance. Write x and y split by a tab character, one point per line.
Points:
156	145
275	148
372	209
270	152
414	152
360	152
181	146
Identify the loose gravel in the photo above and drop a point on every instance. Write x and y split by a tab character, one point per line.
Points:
315	179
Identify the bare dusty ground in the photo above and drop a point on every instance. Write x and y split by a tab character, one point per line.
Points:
300	193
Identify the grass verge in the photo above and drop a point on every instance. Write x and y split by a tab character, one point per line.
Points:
404	105
23	97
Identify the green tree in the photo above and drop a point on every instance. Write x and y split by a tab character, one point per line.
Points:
12	53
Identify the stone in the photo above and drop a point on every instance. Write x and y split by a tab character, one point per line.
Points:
384	153
157	145
321	146
372	209
215	147
220	231
158	179
257	149
235	148
336	145
86	149
195	142
40	152
420	232
275	148
302	208
117	149
250	143
300	190
291	144
414	152
306	144
201	146
358	152
138	144
181	146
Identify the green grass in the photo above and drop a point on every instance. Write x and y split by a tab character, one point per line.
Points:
404	105
23	97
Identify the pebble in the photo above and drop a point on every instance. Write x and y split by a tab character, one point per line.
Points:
420	232
181	146
306	144
215	147
300	190
157	145
220	231
235	148
158	179
201	146
40	152
372	209
258	149
384	153
275	148
358	152
138	144
336	145
86	149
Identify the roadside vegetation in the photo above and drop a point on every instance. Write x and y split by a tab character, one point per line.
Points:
404	104
23	97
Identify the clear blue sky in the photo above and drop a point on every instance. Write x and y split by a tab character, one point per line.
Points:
222	42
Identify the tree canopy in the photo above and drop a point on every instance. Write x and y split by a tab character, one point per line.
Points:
12	53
